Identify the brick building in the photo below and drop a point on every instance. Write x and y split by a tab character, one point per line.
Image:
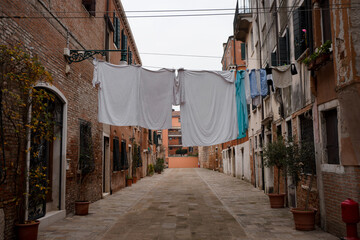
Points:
318	106
172	142
49	30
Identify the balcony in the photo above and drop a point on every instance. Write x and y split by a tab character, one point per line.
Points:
242	20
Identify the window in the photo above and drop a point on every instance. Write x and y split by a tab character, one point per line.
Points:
191	149
332	143
179	119
149	135
278	131
86	160
116	154
307	133
301	28
171	148
170	138
243	51
325	20
116	31
289	130
274	61
90	6
124	159
255	142
284	49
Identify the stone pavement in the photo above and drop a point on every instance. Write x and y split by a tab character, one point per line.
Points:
183	204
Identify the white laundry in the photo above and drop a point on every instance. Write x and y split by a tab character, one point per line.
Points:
133	96
156	95
208	107
282	76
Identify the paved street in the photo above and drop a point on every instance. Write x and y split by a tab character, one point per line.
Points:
183	204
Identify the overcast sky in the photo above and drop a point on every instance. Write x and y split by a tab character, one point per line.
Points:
181	35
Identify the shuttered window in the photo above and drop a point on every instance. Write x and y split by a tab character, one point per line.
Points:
90	6
274	59
300	26
116	155
123	46
124	159
284	49
332	143
129	56
243	51
150	135
117	31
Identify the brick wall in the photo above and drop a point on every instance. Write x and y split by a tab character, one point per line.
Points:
337	188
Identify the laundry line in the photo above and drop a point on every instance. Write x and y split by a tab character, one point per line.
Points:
134	96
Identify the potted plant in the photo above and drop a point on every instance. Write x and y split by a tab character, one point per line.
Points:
275	156
135	162
28	125
319	57
150	169
304	217
129	181
86	165
159	166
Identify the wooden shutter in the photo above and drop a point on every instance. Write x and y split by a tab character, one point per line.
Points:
116	155
243	51
124	162
123	45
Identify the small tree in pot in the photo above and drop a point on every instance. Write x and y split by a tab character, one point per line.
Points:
275	155
304	217
86	165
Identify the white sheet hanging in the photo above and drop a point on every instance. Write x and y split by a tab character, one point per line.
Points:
208	107
156	95
133	96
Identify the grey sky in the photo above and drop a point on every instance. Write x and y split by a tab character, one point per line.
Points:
181	35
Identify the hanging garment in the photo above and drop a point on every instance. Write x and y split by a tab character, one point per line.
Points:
293	69
269	78
254	90
133	96
282	76
242	114
263	83
247	87
156	95
208	109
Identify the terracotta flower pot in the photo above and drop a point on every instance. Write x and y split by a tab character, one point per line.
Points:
134	179
82	208
128	182
304	220
276	200
27	231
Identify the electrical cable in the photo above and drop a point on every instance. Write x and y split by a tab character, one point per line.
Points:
166	16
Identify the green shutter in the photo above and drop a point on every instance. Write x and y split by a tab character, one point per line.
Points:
243	51
123	45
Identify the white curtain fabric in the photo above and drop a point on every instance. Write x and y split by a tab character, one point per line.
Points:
133	96
208	107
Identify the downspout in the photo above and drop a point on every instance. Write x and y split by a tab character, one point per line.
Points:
261	99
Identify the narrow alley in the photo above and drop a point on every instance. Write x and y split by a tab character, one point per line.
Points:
183	204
